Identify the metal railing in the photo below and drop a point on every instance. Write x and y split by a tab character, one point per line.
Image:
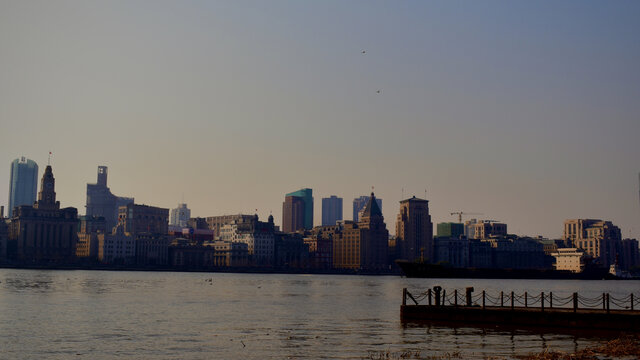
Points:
440	297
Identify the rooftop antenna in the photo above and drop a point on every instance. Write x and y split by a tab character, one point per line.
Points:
402	197
49	159
425	194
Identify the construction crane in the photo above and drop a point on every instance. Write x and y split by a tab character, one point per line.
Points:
460	213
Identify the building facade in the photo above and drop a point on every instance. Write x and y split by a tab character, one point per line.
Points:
88	229
215	223
258	235
485	229
293	214
363	245
180	216
23	183
569	259
414	230
117	247
44	233
306	195
359	204
331	210
102	203
600	239
450	230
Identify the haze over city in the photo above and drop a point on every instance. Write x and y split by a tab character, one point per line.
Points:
524	112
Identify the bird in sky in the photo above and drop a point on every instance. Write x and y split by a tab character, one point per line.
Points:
379	92
363	52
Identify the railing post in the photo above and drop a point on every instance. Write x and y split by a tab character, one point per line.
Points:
575	301
631	301
550	299
604	305
404	296
607	303
525	299
455	297
483	295
444	297
542	301
512	300
501	298
429	295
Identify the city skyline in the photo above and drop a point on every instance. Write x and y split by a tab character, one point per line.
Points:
524	112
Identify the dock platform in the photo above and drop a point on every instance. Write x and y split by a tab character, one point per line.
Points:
542	310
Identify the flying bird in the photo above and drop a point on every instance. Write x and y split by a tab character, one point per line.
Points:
363	52
379	92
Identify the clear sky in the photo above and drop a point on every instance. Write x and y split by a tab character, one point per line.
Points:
525	111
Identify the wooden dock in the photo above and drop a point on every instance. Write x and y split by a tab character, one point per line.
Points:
522	310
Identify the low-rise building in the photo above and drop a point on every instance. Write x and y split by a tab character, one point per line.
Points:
569	259
258	235
451	250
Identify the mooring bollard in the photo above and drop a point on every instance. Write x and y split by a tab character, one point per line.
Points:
429	295
501	298
575	301
542	301
604	306
525	299
444	297
437	290
455	297
469	290
550	299
512	300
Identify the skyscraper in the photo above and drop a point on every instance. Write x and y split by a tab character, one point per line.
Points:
23	184
101	202
180	216
307	197
358	205
331	210
414	230
293	212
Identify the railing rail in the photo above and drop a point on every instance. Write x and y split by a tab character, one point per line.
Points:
544	300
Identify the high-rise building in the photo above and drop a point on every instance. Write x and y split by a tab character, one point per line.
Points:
358	205
102	203
23	184
293	211
180	216
44	232
331	210
306	195
414	230
361	245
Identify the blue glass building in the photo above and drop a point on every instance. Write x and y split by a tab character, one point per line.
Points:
23	184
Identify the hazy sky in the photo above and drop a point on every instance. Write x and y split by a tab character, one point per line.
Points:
525	111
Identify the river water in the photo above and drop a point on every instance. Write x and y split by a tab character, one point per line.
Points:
166	315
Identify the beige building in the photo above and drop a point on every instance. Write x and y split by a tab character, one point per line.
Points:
117	248
485	229
362	245
414	230
569	259
598	238
215	223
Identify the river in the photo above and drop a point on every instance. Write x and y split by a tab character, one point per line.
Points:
171	315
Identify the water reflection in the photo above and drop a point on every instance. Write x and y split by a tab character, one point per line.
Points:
102	315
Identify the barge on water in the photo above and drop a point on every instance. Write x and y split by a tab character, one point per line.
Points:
521	310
